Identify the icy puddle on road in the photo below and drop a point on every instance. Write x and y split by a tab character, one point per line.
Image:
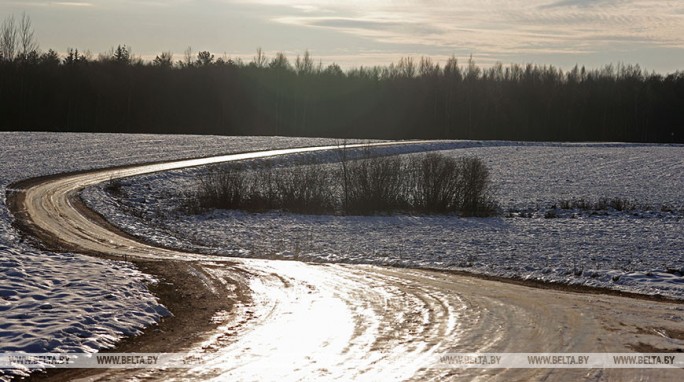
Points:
369	323
330	322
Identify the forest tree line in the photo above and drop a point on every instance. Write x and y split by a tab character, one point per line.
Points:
202	94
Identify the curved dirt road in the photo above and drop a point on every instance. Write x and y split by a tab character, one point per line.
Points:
356	322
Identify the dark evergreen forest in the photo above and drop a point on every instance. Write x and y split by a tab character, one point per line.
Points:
201	94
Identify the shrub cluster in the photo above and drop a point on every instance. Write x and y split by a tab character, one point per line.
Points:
603	204
430	183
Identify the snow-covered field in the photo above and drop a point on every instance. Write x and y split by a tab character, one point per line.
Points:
70	302
640	251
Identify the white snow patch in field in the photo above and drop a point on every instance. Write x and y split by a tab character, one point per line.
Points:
70	302
544	174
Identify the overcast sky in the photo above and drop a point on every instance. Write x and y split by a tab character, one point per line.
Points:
353	33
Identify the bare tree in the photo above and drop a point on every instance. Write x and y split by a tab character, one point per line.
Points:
452	70
187	57
260	59
304	65
27	41
406	67
8	39
427	68
473	71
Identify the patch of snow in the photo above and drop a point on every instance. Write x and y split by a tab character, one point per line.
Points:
544	174
70	302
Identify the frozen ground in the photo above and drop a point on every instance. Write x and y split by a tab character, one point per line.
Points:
640	251
532	175
70	302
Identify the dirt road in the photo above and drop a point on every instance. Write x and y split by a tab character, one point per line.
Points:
284	320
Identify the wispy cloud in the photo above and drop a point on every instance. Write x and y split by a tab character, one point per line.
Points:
572	26
41	3
109	4
516	30
581	3
71	4
366	27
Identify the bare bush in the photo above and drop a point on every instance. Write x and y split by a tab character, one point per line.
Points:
476	185
620	204
304	189
606	204
375	185
222	188
438	184
431	183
